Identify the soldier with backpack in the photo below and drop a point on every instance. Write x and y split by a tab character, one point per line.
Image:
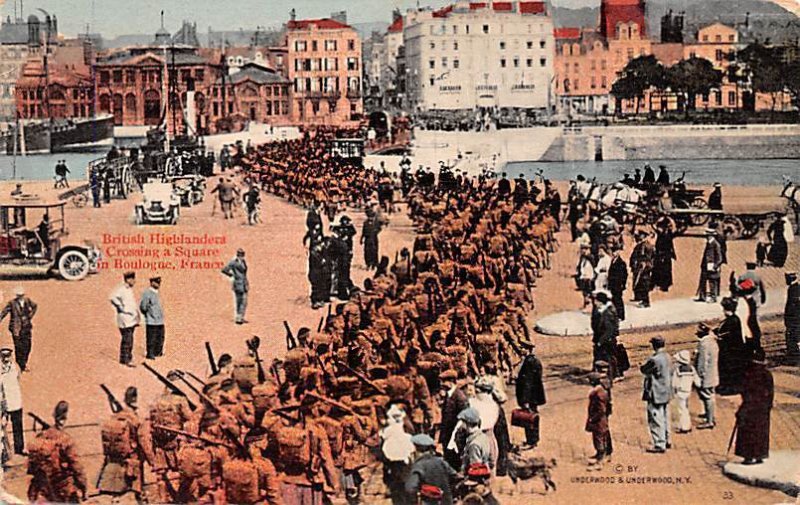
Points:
57	475
123	463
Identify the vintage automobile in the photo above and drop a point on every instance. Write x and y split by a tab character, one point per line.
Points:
190	189
32	241
160	204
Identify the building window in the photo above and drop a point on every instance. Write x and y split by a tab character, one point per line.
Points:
542	44
432	64
433	81
444	62
718	38
130	76
692	54
455	29
351	45
593	65
732	98
705	38
529	62
455	46
200	74
485	28
603	64
330	45
466	29
718	97
502	45
433	45
530	44
594	82
577	84
731	38
577	66
300	45
720	55
117	77
503	62
456	63
516	62
603	82
314	46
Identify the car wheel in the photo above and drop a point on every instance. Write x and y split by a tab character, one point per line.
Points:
73	265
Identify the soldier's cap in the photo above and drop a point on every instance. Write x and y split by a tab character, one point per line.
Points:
470	416
658	341
131	395
227	384
6	352
223	360
702	330
601	365
61	410
173	375
303	331
422	441
595	377
19	290
129	275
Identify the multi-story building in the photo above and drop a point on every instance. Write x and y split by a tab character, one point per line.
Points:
130	84
324	65
588	62
61	92
479	56
253	93
20	40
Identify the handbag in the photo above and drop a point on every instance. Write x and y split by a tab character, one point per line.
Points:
523	418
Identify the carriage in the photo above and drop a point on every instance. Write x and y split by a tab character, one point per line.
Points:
117	174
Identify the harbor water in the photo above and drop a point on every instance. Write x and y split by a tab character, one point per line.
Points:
759	172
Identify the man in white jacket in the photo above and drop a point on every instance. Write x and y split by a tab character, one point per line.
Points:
706	364
12	397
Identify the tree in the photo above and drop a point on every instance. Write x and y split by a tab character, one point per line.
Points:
763	66
639	75
692	77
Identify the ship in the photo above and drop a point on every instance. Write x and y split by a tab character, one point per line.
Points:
61	135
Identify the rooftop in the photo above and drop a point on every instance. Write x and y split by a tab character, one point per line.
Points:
257	74
535	7
319	24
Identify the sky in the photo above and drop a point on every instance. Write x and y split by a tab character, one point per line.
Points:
120	17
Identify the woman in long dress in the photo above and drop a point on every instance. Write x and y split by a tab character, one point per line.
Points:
779	248
665	254
732	350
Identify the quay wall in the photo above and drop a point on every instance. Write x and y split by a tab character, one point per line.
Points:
474	151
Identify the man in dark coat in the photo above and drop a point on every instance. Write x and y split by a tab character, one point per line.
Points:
649	175
715	198
530	392
597	420
605	329
342	245
520	190
236	270
664	254
313	219
319	273
642	268
20	324
753	416
369	237
504	187
455	400
430	476
617	282
663	175
791	316
710	267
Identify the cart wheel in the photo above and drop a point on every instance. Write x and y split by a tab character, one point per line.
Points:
699	204
73	265
751	228
80	200
732	227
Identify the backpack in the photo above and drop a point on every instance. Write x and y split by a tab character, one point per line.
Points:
116	437
44	456
194	462
241	482
294	446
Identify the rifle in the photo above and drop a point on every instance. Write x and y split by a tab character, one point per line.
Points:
196	378
37	419
330	401
319	326
211	360
274	371
253	345
192	436
291	343
171	386
362	378
204	398
115	405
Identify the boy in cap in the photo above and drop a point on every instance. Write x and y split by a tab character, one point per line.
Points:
478	445
430	475
597	421
684	377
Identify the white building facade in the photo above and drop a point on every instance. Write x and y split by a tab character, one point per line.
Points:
480	56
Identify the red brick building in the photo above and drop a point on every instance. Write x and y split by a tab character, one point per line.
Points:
130	84
62	93
626	12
